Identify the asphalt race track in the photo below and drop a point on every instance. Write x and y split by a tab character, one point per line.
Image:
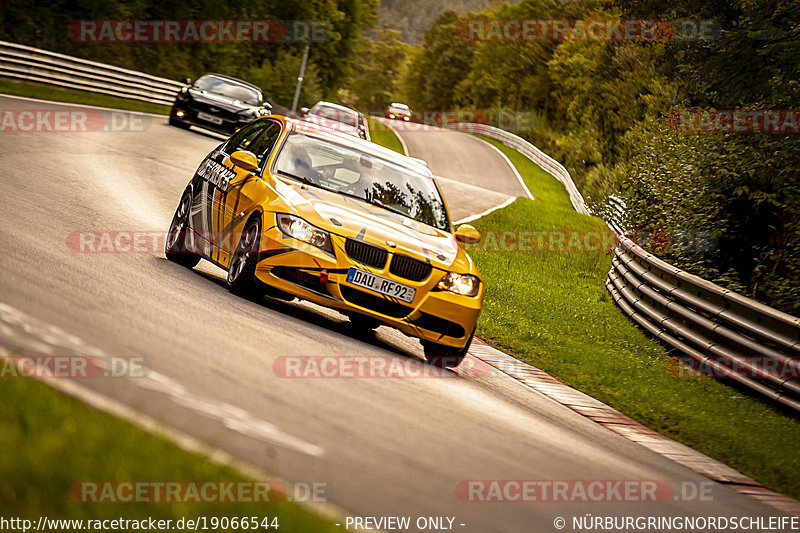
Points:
382	446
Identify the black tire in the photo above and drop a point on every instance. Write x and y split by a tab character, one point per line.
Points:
173	121
363	324
175	247
242	270
442	356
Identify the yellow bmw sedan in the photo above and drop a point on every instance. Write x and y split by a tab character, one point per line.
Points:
291	209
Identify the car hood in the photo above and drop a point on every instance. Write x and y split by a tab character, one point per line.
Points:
221	102
349	217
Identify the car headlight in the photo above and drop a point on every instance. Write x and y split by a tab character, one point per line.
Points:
299	229
463	284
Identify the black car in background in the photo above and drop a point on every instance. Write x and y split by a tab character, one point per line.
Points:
217	102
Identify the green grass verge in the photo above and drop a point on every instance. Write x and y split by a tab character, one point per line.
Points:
52	441
58	94
552	310
383	135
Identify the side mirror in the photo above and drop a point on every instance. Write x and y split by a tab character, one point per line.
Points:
187	81
244	159
468	235
303	111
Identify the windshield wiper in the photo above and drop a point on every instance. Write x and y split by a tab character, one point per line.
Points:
302	179
382	205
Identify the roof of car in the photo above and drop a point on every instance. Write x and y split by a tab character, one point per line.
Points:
231	78
336	106
322	132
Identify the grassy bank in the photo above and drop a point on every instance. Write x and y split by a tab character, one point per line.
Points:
551	309
58	94
383	134
52	441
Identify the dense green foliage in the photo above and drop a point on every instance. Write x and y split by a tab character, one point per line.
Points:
551	309
374	80
412	18
271	65
602	108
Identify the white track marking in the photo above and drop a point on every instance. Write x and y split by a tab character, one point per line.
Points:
233	417
513	168
181	440
42	338
491	209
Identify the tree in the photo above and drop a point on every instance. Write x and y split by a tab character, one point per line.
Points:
377	70
442	62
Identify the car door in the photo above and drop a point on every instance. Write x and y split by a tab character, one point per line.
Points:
244	189
212	180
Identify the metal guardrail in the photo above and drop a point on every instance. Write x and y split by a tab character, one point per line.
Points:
547	163
613	212
32	64
725	334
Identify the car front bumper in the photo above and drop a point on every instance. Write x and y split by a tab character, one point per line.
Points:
227	126
312	274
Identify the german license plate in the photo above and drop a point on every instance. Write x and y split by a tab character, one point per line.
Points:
209	118
381	285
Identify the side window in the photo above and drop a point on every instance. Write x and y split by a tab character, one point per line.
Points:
263	145
243	138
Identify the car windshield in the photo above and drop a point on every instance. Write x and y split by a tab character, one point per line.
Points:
346	170
404	107
333	113
229	89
